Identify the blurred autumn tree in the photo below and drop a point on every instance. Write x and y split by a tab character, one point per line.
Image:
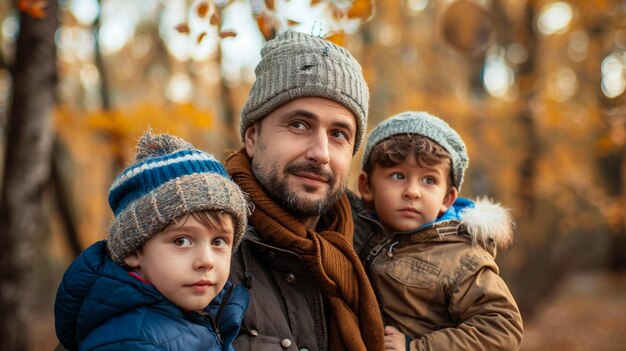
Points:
535	87
26	170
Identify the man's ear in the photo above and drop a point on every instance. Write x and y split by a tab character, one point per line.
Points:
250	139
452	195
132	260
365	188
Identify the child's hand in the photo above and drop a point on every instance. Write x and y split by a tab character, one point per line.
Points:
394	339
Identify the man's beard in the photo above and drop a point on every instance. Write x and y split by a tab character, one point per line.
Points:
278	189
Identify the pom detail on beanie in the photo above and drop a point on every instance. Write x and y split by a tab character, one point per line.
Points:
159	145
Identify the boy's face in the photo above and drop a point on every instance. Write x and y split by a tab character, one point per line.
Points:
187	262
408	195
301	153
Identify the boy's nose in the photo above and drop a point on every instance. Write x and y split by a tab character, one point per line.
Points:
412	191
204	258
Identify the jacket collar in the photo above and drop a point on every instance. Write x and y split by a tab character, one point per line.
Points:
487	223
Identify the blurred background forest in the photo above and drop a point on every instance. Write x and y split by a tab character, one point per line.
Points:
535	87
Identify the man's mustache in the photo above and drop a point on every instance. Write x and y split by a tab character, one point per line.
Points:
311	167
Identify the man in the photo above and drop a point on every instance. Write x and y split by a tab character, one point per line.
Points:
303	121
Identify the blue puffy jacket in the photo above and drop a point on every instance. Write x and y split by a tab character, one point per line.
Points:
99	306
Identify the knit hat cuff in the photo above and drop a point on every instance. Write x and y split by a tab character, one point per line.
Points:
143	177
425	124
151	213
309	90
295	65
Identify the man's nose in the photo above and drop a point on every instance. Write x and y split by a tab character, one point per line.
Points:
318	148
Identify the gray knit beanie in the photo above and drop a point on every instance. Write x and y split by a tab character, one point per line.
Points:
423	123
295	65
169	179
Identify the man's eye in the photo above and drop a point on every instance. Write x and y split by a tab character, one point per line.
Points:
340	134
182	241
298	124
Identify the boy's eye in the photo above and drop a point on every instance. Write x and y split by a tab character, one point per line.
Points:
219	242
397	176
430	181
182	241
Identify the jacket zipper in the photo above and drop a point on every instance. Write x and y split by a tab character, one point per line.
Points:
218	315
374	252
217	331
324	327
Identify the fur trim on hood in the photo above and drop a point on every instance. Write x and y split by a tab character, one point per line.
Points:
488	223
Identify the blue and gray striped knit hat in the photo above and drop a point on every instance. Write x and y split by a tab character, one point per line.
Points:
169	179
423	123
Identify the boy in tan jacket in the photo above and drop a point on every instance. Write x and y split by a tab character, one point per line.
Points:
430	254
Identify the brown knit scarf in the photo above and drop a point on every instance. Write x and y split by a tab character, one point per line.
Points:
356	323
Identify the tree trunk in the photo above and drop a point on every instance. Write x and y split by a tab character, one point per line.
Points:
27	164
227	106
527	77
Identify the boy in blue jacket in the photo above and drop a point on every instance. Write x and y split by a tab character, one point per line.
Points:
159	280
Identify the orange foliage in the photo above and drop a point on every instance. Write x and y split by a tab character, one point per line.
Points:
361	9
215	19
266	26
200	37
202	9
183	28
228	34
337	38
598	6
127	124
34	8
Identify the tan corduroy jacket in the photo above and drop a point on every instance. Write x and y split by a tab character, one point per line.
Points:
440	285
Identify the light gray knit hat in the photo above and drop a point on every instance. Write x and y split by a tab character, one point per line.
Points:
169	178
295	65
423	123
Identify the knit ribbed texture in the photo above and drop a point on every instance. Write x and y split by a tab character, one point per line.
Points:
168	179
295	65
423	123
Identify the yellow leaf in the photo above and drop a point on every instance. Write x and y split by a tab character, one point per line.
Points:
34	8
215	19
338	38
202	9
265	26
200	37
228	34
361	9
183	28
